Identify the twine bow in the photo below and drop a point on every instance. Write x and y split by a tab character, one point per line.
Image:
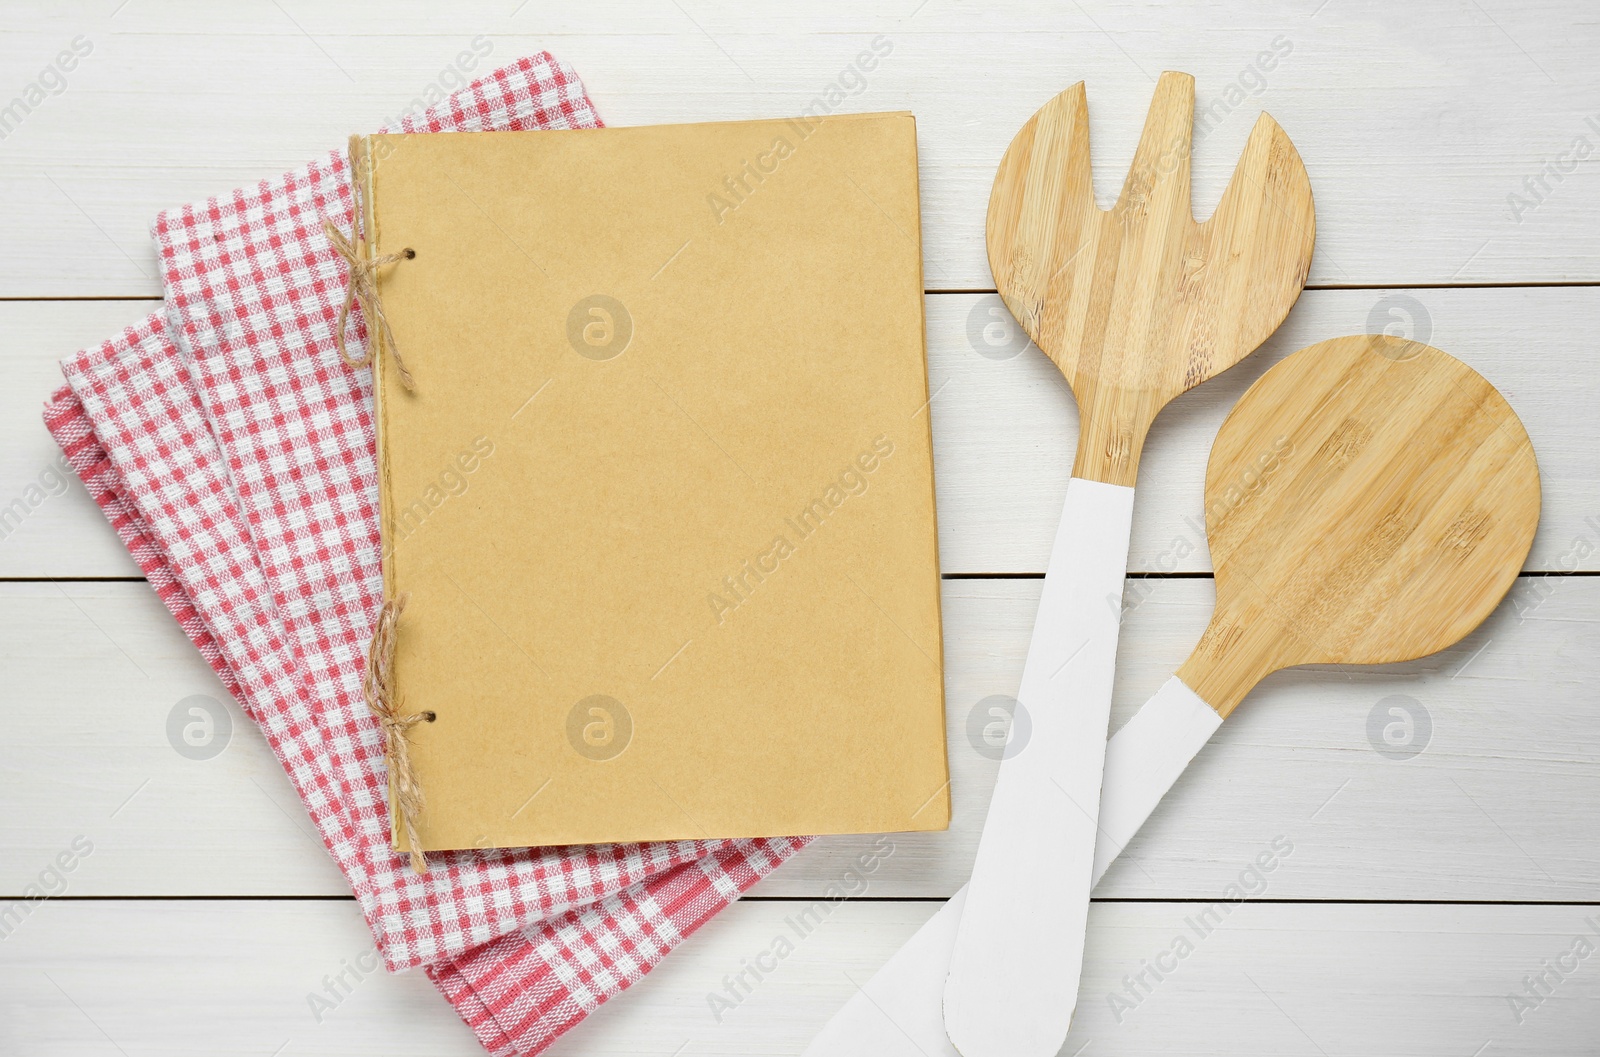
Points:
361	287
378	688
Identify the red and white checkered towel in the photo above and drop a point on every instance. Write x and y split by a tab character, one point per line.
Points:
240	474
253	294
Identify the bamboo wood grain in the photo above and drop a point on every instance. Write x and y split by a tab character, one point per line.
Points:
1370	499
1139	303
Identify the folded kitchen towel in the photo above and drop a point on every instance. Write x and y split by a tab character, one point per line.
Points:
150	439
253	294
522	991
137	392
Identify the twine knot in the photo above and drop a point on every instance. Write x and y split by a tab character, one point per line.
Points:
361	287
378	688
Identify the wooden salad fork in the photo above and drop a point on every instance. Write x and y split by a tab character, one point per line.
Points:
1135	305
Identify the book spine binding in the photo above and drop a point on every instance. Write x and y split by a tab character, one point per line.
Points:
364	232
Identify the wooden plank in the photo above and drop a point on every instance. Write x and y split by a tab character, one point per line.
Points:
48	524
97	671
196	977
1004	425
1491	809
1414	166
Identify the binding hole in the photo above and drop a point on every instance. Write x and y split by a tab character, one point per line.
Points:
429	716
408	253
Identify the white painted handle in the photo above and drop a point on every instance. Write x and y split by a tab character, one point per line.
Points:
898	1012
1019	947
1144	759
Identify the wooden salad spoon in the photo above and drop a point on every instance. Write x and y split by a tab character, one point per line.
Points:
1369	500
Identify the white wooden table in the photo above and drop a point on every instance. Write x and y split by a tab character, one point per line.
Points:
1455	156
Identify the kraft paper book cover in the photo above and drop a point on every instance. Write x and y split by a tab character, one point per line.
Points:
660	500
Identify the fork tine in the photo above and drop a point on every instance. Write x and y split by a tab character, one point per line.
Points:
1047	162
1158	180
1071	153
1271	173
1265	223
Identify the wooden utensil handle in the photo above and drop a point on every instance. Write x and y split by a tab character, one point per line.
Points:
1234	655
1008	989
1112	428
897	1013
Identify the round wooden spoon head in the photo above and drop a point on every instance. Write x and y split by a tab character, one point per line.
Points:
1370	499
1139	303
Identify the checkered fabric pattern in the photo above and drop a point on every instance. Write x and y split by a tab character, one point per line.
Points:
523	990
240	475
138	393
253	294
67	422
